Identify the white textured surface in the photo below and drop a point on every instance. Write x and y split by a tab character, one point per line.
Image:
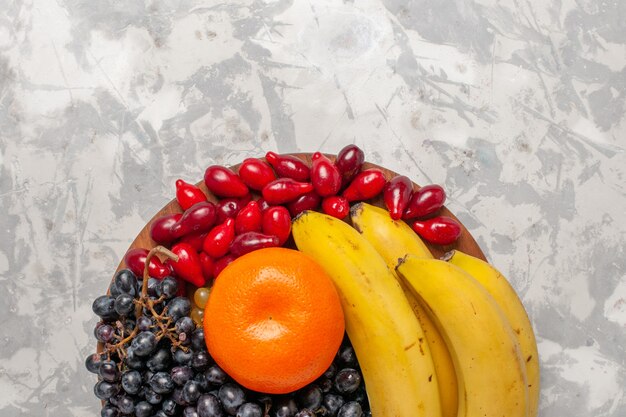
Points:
516	106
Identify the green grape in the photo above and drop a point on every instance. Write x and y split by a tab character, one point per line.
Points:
201	296
197	314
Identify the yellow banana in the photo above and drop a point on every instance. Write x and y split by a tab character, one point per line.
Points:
393	239
500	289
490	371
395	360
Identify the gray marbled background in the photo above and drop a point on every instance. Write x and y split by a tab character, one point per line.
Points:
516	106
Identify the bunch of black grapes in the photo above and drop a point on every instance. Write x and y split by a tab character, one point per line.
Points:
156	364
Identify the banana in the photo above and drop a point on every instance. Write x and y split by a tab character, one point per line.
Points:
395	360
490	370
394	239
500	289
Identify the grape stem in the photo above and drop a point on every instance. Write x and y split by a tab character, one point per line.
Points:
157	250
121	341
163	322
145	301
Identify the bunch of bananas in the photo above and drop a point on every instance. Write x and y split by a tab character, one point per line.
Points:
434	338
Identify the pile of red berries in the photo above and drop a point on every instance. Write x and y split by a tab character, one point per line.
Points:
256	205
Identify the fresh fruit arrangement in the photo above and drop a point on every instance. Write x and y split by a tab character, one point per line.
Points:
295	287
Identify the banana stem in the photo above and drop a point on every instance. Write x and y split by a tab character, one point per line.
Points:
448	255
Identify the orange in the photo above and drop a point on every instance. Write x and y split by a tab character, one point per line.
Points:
273	320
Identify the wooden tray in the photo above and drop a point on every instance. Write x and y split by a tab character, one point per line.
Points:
465	243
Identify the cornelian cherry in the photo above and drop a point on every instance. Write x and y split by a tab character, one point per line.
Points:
367	184
277	222
194	240
249	219
207	264
223	182
256	173
196	219
441	230
228	208
349	162
397	194
283	190
222	263
135	260
325	176
425	201
161	228
263	205
218	240
188	194
308	201
188	266
250	241
336	206
287	166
